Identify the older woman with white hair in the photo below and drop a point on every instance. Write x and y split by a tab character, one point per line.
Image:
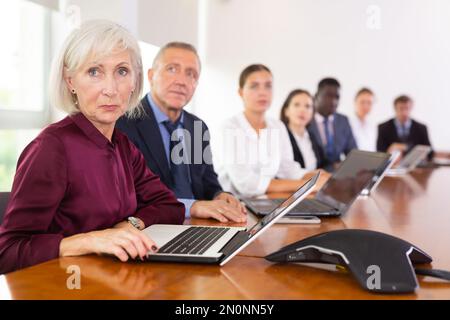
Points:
81	187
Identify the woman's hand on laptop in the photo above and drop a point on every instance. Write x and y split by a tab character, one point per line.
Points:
123	242
220	210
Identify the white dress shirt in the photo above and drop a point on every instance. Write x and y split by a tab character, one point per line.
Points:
305	145
365	133
321	126
247	162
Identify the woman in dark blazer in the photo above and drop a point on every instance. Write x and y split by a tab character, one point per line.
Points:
296	113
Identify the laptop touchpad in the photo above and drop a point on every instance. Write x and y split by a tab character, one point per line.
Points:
163	233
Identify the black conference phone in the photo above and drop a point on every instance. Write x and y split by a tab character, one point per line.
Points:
364	253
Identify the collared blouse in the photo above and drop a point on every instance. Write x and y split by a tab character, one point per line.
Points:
72	180
248	161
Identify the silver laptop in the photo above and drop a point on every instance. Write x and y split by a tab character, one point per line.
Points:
215	245
337	195
379	177
411	160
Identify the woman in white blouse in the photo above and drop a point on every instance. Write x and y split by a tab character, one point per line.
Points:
257	155
296	113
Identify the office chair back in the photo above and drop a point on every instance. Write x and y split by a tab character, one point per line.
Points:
4	197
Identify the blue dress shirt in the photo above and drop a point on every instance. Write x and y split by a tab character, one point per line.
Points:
402	130
161	117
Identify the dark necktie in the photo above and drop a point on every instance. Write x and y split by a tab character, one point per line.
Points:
403	133
329	148
178	167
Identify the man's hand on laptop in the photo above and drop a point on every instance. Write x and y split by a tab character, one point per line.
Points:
397	147
228	197
220	210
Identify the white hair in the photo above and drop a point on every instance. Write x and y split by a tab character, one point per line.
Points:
94	39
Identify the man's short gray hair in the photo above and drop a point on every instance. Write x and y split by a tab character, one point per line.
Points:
176	45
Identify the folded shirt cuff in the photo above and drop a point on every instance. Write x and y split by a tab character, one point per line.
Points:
187	204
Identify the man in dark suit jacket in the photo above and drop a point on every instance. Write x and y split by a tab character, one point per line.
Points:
331	129
174	142
402	133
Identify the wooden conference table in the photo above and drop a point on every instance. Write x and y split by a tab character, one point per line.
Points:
415	207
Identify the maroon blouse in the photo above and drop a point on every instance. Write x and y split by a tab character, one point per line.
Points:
71	180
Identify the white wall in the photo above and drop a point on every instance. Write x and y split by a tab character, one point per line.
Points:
124	12
303	41
162	21
153	21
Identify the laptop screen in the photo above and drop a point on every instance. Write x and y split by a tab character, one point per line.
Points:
280	210
415	156
352	176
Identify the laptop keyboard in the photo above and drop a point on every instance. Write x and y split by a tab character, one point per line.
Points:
312	206
194	240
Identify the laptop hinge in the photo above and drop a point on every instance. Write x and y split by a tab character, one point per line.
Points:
235	242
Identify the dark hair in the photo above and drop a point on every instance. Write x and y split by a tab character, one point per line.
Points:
402	99
288	100
176	45
362	91
249	70
328	82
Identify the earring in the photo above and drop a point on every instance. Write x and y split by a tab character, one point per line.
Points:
75	98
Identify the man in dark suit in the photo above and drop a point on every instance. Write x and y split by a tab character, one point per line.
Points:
174	142
331	129
402	133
